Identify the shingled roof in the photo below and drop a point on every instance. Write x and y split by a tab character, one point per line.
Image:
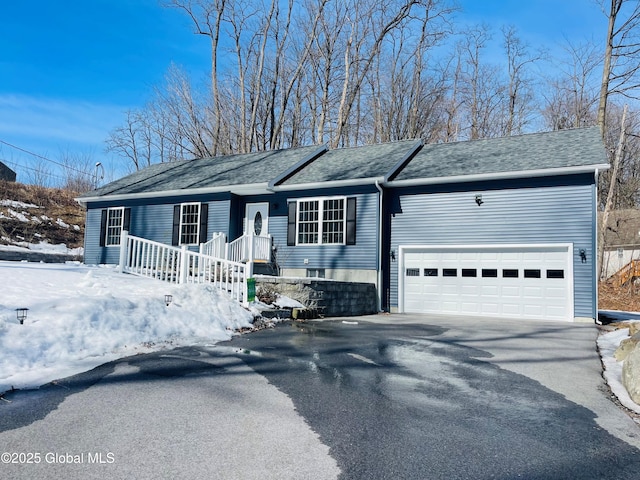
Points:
563	149
393	164
208	174
351	164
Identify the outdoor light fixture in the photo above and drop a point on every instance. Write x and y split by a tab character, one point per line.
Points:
21	313
168	299
479	199
583	255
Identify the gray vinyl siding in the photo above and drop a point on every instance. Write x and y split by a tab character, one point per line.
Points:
562	213
149	221
93	253
361	256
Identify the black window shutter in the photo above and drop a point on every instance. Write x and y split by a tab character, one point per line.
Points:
103	228
204	219
291	224
351	221
126	221
175	238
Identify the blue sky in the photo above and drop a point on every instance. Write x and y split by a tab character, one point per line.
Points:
69	69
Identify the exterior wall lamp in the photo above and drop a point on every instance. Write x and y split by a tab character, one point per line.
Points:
479	199
21	314
583	255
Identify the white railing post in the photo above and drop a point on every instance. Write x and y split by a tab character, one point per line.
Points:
245	288
250	255
184	266
124	243
252	245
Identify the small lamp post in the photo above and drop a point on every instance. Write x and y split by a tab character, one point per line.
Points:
21	314
168	299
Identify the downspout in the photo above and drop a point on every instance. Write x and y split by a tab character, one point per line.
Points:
380	238
596	267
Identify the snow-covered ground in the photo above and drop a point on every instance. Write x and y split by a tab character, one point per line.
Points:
82	316
43	247
608	343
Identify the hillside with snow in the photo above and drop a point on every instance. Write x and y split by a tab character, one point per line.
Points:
38	219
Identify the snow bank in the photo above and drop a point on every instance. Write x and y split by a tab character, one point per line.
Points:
608	343
80	317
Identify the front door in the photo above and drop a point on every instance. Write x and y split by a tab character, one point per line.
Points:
257	219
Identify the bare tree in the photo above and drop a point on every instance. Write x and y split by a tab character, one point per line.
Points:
40	173
207	17
520	84
79	171
376	20
481	89
621	63
572	96
126	140
612	182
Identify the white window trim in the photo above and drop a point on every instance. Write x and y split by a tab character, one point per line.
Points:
182	224
106	227
321	201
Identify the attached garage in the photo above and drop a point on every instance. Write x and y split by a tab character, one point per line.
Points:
507	281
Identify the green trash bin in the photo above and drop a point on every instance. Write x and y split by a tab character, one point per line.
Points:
251	289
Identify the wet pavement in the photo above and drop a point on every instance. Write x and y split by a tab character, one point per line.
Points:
378	397
410	401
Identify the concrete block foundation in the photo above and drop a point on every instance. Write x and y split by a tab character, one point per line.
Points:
329	297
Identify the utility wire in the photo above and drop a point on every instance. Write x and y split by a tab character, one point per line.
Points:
43	158
36	170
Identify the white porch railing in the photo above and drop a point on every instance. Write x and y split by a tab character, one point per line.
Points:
248	248
216	247
147	258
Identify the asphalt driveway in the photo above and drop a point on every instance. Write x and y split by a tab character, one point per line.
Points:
387	396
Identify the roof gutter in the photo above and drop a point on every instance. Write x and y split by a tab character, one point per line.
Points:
355	182
546	172
245	189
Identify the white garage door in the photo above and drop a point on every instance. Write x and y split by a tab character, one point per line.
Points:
514	281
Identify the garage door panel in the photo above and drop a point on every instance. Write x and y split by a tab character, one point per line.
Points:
531	292
554	311
532	257
450	307
511	310
470	307
470	290
554	293
514	281
490	291
490	308
510	292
